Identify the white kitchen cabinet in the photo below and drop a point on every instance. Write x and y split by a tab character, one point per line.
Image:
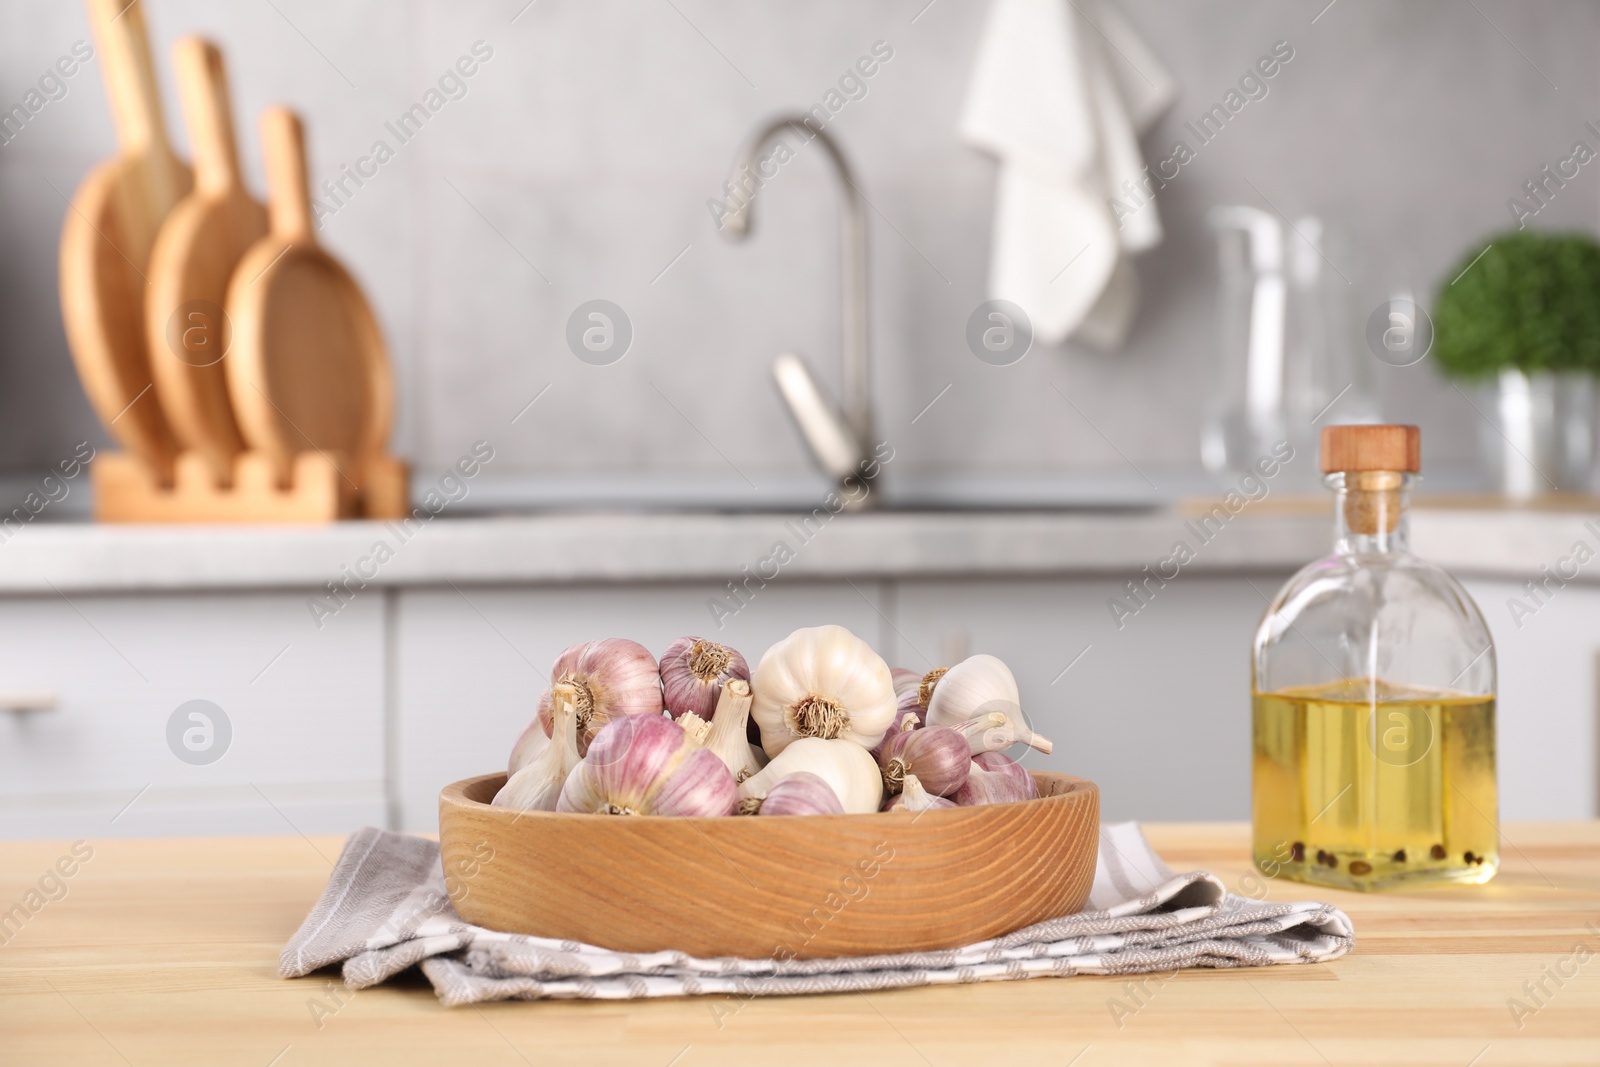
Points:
1547	709
1157	713
303	708
471	661
414	685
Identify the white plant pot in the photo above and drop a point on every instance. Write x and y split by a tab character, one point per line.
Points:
1540	434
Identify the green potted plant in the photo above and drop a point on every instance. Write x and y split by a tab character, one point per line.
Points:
1519	316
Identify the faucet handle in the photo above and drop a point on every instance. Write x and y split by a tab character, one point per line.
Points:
835	447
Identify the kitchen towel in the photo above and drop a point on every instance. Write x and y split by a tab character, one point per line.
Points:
386	909
1060	92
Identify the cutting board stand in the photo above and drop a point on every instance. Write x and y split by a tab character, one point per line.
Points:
126	490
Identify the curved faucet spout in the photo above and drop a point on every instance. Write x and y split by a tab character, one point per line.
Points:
752	169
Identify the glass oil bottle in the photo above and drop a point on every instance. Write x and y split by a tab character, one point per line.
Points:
1373	686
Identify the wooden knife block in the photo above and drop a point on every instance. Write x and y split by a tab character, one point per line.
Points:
125	490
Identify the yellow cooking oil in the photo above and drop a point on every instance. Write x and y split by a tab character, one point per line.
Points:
1366	785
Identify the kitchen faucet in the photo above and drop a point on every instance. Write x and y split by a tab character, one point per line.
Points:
838	440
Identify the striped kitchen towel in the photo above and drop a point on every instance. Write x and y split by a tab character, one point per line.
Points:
387	908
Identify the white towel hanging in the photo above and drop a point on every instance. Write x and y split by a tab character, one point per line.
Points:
1060	92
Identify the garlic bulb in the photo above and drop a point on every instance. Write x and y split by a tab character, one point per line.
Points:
536	786
648	765
908	698
909	705
904	720
532	741
847	768
614	677
979	685
693	672
912	691
936	755
995	779
725	734
824	682
915	798
801	793
926	685
904	681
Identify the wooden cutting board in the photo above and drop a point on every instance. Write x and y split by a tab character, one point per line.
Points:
202	240
106	240
308	369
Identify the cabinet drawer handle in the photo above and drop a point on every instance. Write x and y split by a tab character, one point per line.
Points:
24	701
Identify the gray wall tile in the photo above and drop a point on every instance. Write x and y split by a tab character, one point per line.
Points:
588	144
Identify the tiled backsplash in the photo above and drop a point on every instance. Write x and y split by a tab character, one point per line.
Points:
576	159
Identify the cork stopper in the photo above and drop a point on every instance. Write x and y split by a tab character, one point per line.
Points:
1371	448
1374	461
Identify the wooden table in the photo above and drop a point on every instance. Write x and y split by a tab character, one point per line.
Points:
165	952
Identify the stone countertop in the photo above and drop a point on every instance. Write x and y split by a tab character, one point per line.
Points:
655	547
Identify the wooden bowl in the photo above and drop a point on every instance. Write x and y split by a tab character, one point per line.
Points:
792	886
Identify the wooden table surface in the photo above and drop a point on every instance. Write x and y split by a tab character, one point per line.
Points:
165	952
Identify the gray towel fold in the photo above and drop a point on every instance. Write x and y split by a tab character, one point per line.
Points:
386	908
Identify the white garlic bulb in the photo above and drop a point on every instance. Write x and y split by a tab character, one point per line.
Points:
536	786
978	686
824	682
847	768
920	693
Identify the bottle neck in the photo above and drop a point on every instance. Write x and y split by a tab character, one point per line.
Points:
1370	515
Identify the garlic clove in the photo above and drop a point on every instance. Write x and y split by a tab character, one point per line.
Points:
648	765
725	735
693	672
613	677
823	682
980	685
532	741
987	733
847	768
915	798
994	731
537	785
801	793
523	791
905	681
936	755
693	725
